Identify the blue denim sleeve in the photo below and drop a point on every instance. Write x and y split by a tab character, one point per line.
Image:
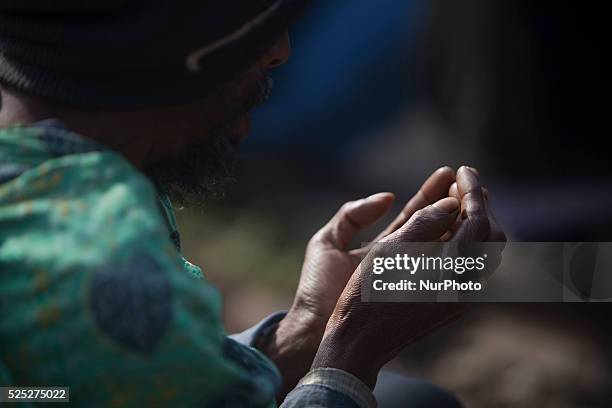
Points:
324	392
317	396
250	336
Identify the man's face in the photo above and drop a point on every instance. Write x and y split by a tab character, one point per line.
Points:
198	160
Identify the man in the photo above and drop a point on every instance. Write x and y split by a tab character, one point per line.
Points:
108	109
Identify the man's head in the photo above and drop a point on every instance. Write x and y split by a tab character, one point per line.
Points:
198	160
181	113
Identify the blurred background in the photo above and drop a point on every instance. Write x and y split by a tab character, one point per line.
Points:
376	96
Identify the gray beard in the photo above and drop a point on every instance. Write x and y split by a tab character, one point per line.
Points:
204	170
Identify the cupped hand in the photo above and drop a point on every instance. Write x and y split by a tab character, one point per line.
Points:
329	262
328	265
361	337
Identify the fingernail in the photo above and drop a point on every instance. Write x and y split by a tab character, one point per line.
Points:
379	196
473	170
448	205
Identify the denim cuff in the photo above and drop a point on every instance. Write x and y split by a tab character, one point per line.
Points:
342	382
251	336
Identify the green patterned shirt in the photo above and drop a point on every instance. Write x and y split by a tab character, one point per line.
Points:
94	293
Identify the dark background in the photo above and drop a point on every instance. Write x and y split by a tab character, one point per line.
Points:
376	96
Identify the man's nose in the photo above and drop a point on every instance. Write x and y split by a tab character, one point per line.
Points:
279	53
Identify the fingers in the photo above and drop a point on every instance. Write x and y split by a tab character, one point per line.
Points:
353	217
465	230
475	224
429	223
453	191
496	233
434	189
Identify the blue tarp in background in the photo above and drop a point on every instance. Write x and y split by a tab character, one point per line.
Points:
351	68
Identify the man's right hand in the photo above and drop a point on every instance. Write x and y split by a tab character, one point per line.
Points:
361	337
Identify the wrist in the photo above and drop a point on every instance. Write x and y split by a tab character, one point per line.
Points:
298	334
343	347
309	317
292	347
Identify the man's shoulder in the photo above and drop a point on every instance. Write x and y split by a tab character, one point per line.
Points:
82	206
98	183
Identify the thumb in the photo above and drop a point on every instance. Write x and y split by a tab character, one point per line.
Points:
429	223
355	216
